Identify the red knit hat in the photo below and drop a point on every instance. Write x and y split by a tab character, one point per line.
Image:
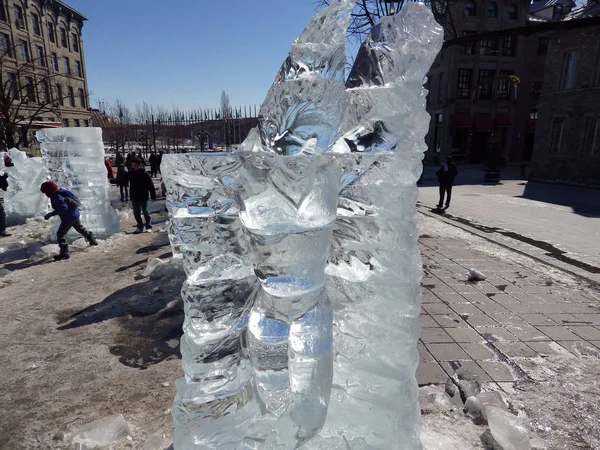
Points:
49	188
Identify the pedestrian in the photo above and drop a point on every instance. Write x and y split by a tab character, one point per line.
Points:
109	170
119	159
139	155
123	182
66	206
130	156
4	187
446	175
153	160
160	155
141	188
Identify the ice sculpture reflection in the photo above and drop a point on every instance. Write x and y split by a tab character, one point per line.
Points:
302	297
75	161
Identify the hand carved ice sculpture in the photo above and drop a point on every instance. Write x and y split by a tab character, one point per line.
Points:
23	198
300	248
75	160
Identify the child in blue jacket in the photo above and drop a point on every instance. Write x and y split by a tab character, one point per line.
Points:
66	207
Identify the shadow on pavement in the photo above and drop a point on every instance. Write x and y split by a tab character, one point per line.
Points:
149	316
583	201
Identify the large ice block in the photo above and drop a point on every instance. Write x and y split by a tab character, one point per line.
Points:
303	294
23	198
75	161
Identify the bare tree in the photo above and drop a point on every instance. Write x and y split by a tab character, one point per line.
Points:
118	129
225	105
28	89
366	13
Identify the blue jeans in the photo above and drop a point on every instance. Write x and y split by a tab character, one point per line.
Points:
2	219
138	209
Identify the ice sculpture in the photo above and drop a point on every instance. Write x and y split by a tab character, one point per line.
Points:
300	248
23	198
75	161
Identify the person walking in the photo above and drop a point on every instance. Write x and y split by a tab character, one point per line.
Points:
141	188
66	206
109	170
123	182
153	160
160	156
4	187
446	175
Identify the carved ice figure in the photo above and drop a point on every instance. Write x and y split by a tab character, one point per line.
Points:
75	161
23	198
300	248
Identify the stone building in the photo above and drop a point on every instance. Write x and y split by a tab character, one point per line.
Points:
567	144
46	34
485	83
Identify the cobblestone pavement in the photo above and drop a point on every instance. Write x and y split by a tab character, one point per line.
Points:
490	329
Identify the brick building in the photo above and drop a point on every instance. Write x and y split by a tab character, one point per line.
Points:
46	34
486	82
567	144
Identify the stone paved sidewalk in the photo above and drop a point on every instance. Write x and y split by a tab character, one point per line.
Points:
491	329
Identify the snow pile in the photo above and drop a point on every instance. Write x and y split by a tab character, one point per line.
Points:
100	433
159	268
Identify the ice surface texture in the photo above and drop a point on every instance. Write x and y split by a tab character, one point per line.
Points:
300	248
23	198
75	161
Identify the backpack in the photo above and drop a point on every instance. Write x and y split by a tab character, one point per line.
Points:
71	199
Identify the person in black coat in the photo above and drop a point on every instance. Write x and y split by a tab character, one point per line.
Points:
141	188
446	175
153	160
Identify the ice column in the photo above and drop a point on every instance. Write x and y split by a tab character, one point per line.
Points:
23	198
75	161
322	351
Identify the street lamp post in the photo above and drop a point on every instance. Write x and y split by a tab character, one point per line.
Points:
390	8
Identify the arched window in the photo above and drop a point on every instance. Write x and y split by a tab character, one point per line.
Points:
470	8
513	13
492	9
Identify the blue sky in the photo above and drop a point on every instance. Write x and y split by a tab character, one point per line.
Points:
185	52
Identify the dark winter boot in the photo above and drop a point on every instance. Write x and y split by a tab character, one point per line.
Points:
62	256
92	240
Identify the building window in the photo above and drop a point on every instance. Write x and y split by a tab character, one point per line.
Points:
492	10
67	65
51	32
59	95
470	9
86	123
75	42
503	84
30	89
24	50
508	46
463	86
63	38
55	62
469	47
82	102
556	134
536	89
485	84
591	138
2	11
76	123
513	12
71	97
5	46
78	69
19	21
44	92
66	123
12	86
568	70
543	45
488	47
35	24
